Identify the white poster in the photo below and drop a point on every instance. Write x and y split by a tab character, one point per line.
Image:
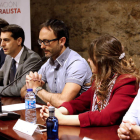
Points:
17	12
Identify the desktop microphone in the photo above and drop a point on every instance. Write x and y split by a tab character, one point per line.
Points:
11	115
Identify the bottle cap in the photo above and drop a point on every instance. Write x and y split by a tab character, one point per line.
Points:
29	89
51	108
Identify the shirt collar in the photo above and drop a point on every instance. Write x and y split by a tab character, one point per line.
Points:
17	58
62	58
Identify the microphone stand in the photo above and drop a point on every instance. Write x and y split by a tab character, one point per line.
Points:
12	115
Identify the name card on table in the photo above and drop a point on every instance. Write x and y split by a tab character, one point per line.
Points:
25	127
86	138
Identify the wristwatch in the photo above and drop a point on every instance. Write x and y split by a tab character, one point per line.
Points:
38	89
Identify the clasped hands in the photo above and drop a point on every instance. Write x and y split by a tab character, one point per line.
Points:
34	80
129	130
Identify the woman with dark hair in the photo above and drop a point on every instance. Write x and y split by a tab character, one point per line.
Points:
114	86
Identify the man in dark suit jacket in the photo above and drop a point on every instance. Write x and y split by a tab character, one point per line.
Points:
3	23
2	57
12	41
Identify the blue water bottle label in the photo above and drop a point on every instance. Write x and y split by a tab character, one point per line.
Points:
30	104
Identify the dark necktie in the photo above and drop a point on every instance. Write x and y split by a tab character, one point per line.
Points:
12	70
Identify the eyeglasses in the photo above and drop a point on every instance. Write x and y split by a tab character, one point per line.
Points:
45	41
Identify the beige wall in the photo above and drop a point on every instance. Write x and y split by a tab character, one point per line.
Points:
88	19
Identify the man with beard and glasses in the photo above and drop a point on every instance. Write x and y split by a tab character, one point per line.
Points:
66	72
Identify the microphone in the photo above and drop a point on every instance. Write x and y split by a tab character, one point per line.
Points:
11	115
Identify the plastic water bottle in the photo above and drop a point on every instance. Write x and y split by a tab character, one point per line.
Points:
30	106
52	125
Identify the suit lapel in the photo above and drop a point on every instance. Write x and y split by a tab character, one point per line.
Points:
7	71
22	60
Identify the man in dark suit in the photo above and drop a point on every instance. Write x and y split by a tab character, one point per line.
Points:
3	23
18	60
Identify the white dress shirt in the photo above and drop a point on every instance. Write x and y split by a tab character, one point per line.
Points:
133	114
17	58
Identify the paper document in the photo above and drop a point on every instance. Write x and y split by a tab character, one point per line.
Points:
15	107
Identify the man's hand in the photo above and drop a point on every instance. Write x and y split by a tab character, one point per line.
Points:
135	132
125	130
33	80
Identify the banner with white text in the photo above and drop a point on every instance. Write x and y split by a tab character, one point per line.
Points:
17	12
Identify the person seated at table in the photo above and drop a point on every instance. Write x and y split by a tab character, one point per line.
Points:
66	72
130	126
114	86
18	60
3	23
